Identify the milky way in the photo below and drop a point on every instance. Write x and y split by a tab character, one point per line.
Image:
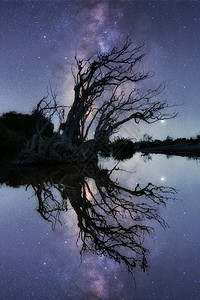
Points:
39	39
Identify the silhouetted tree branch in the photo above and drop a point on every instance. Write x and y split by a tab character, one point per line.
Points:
106	96
109	72
111	218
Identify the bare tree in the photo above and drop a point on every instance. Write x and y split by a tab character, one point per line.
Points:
106	96
108	73
113	220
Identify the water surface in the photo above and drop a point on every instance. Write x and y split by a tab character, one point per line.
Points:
40	263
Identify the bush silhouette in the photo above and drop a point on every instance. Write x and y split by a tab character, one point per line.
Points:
24	124
16	129
123	149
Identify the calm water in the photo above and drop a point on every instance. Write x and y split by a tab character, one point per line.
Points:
40	263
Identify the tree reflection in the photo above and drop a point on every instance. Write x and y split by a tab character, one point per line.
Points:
112	219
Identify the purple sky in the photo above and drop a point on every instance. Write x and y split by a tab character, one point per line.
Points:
38	41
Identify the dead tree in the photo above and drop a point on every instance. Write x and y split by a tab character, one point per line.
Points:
106	96
101	104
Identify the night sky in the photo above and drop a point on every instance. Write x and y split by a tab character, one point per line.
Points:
38	41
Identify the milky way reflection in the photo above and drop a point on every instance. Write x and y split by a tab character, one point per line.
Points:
38	262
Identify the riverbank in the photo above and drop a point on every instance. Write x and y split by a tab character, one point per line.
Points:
190	150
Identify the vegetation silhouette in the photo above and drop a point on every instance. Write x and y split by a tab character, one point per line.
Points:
123	149
112	219
107	94
119	149
17	128
189	147
26	123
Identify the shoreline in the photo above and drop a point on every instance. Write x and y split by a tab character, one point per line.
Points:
189	150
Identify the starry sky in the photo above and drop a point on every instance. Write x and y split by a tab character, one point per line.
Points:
38	41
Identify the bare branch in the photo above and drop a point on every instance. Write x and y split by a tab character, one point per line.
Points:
106	96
